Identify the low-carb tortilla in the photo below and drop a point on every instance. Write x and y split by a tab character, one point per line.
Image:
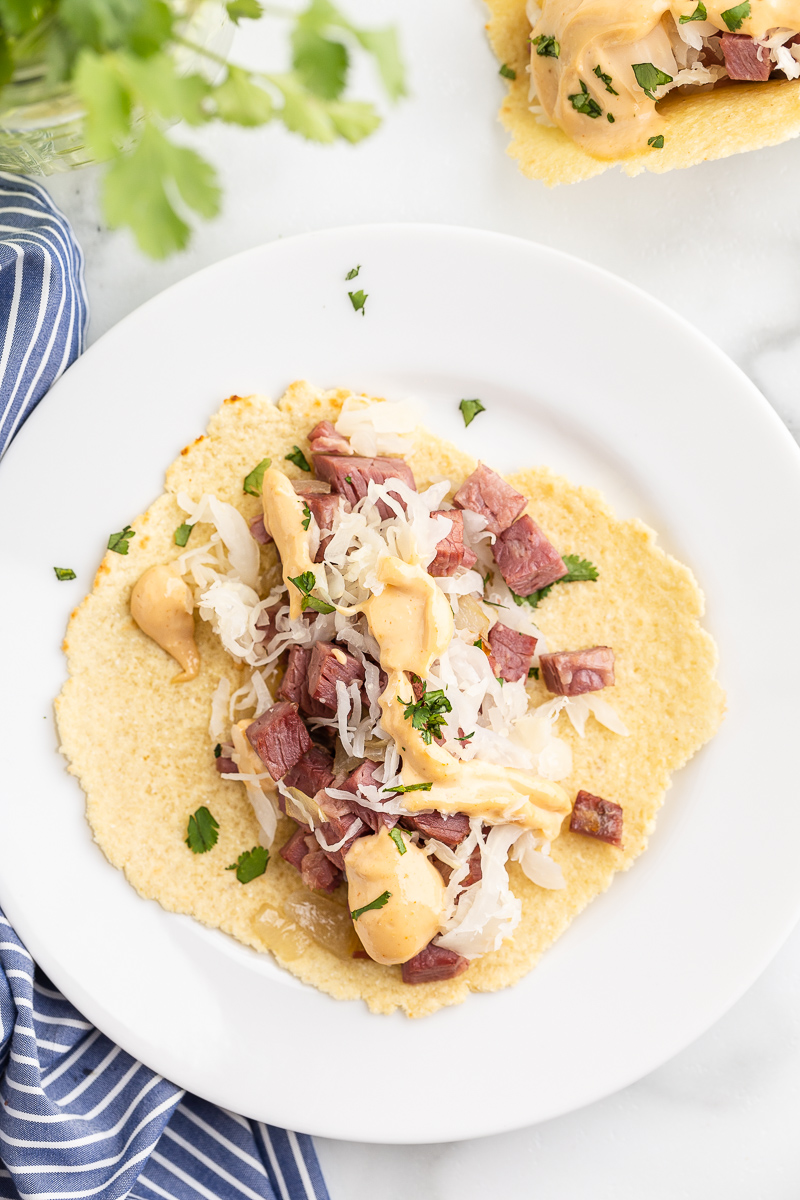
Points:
141	748
697	127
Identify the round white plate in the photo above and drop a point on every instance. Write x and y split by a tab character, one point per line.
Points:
576	369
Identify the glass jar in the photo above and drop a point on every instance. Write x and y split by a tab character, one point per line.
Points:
42	127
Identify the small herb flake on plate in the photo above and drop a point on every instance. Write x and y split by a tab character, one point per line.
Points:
250	864
397	838
63	573
508	72
351	274
202	833
656	143
470	410
253	481
183	533
298	458
118	542
378	902
358	300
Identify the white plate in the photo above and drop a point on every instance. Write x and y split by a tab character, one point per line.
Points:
576	369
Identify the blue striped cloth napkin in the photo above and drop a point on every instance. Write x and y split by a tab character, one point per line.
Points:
80	1118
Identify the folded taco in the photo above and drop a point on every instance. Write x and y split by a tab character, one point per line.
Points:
646	84
364	703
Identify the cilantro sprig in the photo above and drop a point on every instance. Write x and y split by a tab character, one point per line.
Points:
378	902
127	62
358	300
470	410
699	14
253	481
306	521
305	584
250	864
579	570
298	458
63	573
427	714
202	832
650	77
734	17
119	542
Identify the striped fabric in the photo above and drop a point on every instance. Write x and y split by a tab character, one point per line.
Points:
43	308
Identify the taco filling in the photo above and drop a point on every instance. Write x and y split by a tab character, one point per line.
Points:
599	71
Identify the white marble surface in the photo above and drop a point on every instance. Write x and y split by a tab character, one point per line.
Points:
720	244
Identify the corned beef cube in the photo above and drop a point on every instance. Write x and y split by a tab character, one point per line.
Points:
312	773
318	872
512	652
279	738
341	817
487	493
295	850
451	553
258	530
294	685
364	775
324	439
350	477
526	559
225	765
323	508
266	623
573	672
745	59
597	818
450	828
327	665
433	965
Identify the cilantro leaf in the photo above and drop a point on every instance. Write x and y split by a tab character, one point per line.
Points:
241	101
733	17
305	584
397	838
183	533
378	902
321	64
63	573
218	750
507	72
657	143
610	118
649	77
579	570
411	787
253	481
298	458
118	542
18	17
547	46
606	79
239	10
202	832
427	714
250	864
470	410
533	673
358	300
699	14
382	44
582	102
353	272
306	516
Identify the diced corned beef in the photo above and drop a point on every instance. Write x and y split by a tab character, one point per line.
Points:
279	738
259	530
433	965
294	685
319	872
475	873
323	508
526	559
451	553
487	493
341	816
327	665
225	766
350	477
597	818
573	672
512	653
744	59
312	773
364	775
295	850
324	439
450	828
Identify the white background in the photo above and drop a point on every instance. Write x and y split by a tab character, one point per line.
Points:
719	243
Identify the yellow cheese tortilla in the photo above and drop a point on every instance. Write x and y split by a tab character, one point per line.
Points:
141	748
698	127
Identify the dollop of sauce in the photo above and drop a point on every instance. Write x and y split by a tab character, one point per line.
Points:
597	40
283	517
412	915
162	606
411	619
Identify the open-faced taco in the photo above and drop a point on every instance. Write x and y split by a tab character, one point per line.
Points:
644	85
422	714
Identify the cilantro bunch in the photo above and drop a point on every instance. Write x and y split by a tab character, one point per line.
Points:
121	57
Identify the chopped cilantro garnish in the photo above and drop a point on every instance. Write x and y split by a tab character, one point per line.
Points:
118	542
464	737
470	410
546	46
508	72
218	750
202	831
582	102
411	787
306	516
649	77
348	478
253	481
358	300
699	14
610	117
182	534
606	79
298	458
378	902
397	838
733	17
533	673
657	143
250	864
427	713
579	570
63	573
351	274
306	583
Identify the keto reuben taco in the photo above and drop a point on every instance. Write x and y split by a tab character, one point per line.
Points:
645	84
364	703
